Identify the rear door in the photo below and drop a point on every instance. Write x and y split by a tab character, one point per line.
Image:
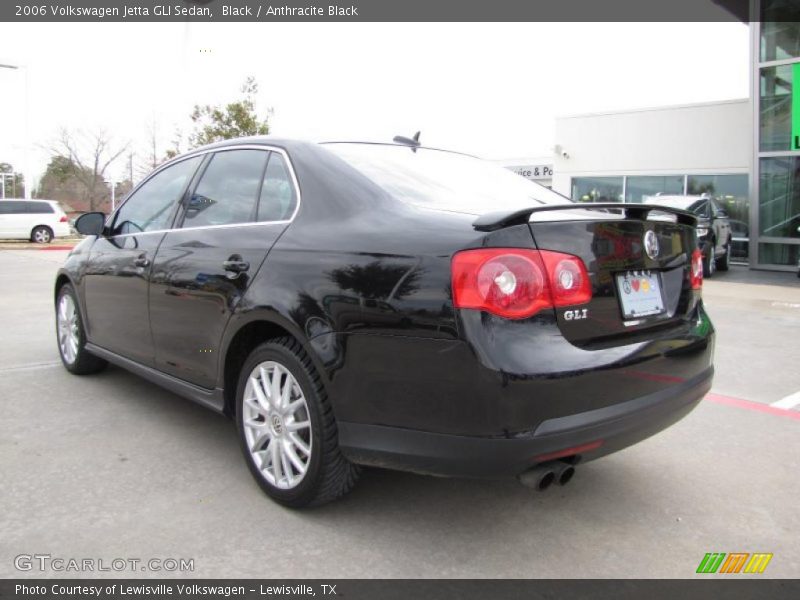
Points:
118	269
240	206
639	269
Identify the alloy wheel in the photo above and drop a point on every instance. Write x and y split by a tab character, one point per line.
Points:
41	236
68	333
277	425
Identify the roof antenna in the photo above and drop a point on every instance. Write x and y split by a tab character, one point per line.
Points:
412	142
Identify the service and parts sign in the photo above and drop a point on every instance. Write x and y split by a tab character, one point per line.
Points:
534	172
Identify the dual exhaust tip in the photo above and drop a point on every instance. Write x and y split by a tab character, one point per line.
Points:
543	476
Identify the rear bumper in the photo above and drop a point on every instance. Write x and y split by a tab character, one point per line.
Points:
614	427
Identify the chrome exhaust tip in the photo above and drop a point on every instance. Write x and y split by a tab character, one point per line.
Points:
564	473
539	478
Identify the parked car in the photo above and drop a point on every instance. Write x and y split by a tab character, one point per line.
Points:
393	305
713	228
36	220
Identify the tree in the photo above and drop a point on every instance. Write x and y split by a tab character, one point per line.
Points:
237	119
88	155
14	186
60	183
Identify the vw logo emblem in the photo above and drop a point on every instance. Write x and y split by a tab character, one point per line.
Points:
651	244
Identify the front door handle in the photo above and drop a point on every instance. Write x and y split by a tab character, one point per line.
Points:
236	266
141	261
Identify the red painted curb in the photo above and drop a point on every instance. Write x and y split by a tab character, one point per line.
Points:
756	406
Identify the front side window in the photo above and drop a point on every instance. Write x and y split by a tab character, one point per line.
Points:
150	207
227	190
278	198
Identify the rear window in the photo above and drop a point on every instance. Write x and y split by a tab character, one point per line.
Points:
444	180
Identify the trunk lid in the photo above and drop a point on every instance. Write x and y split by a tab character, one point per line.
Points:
639	265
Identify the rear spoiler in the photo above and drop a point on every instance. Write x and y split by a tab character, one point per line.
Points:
498	220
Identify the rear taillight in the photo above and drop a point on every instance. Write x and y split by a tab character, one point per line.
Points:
696	275
63	219
517	283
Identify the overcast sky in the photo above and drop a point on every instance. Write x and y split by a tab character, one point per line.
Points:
489	89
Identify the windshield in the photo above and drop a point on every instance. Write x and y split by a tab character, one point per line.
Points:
444	180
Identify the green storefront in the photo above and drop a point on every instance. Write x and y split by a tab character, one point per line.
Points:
775	237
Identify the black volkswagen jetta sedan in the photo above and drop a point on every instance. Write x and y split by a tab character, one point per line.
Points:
391	305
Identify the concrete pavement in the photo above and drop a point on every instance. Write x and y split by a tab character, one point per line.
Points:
110	466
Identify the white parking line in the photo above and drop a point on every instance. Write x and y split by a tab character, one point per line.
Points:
789	402
32	367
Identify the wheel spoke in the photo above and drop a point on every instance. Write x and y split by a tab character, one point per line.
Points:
295	406
275	386
258	444
276	464
254	424
298	425
263	401
293	458
264	383
299	444
286	392
287	470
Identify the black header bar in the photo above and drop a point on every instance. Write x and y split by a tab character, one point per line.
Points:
373	10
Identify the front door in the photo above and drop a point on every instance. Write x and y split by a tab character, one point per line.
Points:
118	270
236	212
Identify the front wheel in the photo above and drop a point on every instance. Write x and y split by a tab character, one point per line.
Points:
287	430
71	335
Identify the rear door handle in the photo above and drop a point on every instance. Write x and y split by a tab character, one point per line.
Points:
141	261
236	266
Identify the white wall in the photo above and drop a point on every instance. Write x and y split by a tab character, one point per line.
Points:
700	138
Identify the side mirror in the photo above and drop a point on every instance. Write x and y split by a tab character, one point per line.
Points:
91	223
722	214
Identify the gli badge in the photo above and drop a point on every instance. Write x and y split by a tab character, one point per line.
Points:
575	315
651	244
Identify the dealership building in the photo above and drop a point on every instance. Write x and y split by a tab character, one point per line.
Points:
744	152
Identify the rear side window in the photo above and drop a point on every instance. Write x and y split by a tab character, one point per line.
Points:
39	208
10	208
151	206
278	198
228	189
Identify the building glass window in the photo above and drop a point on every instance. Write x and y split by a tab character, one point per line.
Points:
597	189
730	192
776	108
780	29
639	189
779	254
779	197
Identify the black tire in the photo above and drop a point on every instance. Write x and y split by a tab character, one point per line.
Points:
724	261
329	474
84	363
42	234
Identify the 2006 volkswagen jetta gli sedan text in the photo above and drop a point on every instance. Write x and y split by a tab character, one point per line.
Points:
391	305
